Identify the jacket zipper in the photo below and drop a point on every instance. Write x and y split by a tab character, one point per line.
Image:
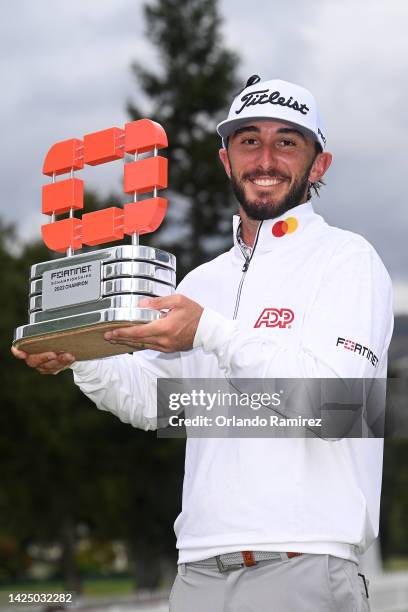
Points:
244	267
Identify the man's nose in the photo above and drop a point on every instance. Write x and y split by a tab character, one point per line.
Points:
267	157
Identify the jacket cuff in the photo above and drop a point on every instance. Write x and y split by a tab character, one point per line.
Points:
213	331
83	369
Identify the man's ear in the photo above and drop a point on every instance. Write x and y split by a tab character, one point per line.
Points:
320	166
223	153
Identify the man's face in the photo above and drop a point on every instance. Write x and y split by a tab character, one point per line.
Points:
270	164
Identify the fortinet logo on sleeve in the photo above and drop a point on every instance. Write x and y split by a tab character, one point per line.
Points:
275	317
355	347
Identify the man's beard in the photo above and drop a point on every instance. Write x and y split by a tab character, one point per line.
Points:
262	209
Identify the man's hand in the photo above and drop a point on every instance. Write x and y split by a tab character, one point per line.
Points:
45	363
175	331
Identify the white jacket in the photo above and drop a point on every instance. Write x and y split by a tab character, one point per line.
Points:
304	495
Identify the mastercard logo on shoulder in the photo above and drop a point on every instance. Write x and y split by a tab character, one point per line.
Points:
288	226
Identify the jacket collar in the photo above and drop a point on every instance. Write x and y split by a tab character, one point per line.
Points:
283	229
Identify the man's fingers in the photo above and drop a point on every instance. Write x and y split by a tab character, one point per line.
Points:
137	332
37	360
65	357
170	333
159	303
47	362
136	346
50	360
17	353
147	342
52	367
55	366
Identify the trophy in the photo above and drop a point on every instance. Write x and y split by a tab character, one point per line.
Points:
75	299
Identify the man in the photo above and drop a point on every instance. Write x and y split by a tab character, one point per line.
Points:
266	524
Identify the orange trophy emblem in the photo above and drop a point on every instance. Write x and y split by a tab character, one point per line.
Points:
75	299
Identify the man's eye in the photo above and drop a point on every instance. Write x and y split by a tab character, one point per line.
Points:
287	143
250	141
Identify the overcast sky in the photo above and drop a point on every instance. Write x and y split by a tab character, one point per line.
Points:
65	68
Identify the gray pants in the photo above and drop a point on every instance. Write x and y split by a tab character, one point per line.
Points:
309	583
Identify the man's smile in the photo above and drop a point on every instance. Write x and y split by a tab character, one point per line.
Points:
267	182
264	179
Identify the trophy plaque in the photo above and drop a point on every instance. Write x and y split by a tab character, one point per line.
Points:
75	299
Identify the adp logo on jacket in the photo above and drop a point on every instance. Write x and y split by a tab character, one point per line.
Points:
275	317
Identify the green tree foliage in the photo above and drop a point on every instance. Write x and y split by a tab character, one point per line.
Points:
65	464
188	94
44	431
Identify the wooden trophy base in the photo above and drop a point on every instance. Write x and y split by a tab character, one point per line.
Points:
83	343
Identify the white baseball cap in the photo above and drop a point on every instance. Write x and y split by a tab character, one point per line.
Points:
278	100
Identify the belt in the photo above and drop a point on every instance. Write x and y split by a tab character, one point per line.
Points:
247	558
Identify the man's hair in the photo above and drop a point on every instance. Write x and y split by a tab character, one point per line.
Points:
318	184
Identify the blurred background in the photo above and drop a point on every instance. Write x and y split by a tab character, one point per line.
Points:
87	503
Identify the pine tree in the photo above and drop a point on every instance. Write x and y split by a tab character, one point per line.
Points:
189	94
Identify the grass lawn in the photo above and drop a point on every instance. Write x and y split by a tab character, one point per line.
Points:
396	564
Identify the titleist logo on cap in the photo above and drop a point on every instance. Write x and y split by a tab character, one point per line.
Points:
262	96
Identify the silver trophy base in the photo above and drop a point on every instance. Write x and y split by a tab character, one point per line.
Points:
123	276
